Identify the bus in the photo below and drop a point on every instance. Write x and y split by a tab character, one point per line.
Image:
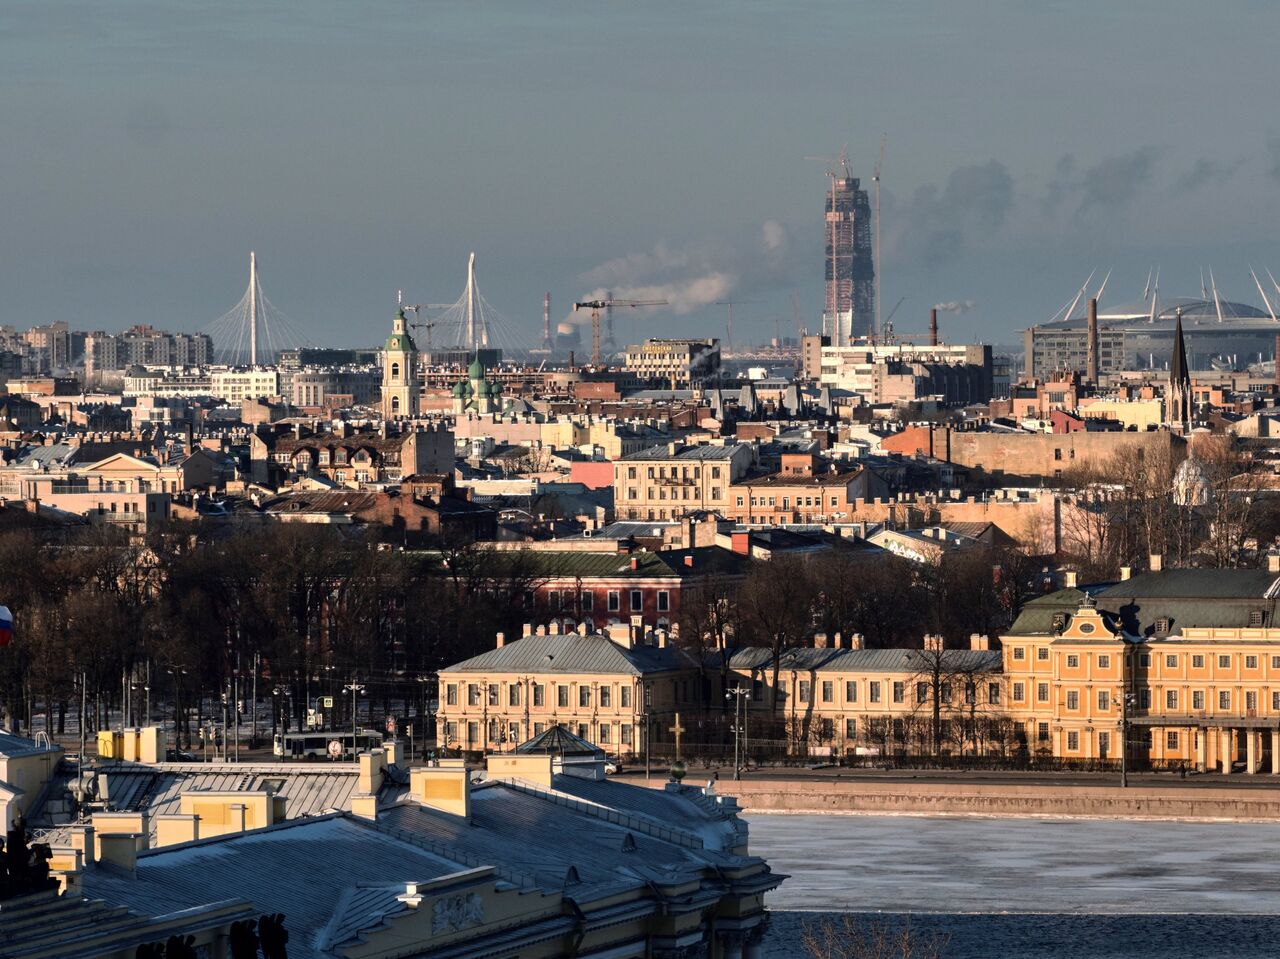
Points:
325	744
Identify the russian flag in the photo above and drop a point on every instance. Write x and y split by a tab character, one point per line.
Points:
6	626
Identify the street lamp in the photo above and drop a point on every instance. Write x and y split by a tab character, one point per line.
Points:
738	694
355	689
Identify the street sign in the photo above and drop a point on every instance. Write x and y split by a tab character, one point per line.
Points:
391	725
328	702
335	748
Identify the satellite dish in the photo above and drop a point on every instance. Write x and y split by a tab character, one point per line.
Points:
335	748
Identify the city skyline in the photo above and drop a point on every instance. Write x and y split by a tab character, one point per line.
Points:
657	154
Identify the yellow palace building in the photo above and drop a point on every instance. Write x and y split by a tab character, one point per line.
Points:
1187	660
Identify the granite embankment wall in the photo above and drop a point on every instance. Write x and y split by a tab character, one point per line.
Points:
916	799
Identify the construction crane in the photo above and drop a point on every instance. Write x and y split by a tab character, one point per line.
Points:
729	321
595	306
421	324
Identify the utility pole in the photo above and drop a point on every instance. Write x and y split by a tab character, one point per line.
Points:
737	693
355	689
1126	702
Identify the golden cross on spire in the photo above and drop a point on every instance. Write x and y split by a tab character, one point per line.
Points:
678	730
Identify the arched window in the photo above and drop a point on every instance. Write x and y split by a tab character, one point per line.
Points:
395	371
395	405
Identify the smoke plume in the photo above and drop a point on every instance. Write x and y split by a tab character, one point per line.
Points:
955	306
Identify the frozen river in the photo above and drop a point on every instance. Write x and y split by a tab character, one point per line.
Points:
1084	888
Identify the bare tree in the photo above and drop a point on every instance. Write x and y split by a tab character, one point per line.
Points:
854	938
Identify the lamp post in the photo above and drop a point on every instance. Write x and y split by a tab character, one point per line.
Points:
738	694
355	689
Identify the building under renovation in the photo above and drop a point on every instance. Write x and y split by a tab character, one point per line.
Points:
851	305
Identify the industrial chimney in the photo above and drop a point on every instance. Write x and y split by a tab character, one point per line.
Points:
933	327
1091	371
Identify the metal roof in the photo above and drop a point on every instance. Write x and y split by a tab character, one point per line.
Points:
574	654
700	452
305	870
559	741
12	746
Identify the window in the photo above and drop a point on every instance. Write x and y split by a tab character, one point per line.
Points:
1042	732
539	728
513	695
1171	661
1019	653
562	696
583	731
851	691
493	694
1144	699
1224	699
715	472
1042	692
1197	661
637	601
1104	700
631	472
850	729
1170	699
1073	699
1104	743
805	691
873	691
1073	662
539	695
626	734
1104	662
473	694
1042	654
1073	742
1224	662
615	601
604	732
970	694
664	601
1171	740
584	696
1251	662
828	691
626	697
588	601
899	692
1251	701
606	697
1255	618
993	693
1019	692
1275	702
922	692
1144	660
1197	699
473	732
451	694
1275	662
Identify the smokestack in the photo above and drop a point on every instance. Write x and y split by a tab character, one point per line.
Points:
1091	370
933	327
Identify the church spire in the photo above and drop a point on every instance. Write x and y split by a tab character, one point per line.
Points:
1178	394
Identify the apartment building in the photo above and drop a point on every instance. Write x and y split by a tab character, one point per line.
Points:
236	385
804	490
666	482
675	363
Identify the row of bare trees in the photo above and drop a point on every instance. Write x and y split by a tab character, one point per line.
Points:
113	625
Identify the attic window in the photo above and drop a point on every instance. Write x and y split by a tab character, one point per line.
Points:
1059	622
1162	625
1255	618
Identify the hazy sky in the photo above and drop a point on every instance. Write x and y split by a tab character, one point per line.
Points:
361	147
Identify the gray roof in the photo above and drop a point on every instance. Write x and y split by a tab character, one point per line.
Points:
574	654
863	660
309	789
11	746
308	870
699	452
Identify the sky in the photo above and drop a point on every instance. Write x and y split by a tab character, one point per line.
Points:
656	149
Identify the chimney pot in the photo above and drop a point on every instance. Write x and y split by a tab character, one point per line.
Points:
501	640
1273	562
1157	562
1125	572
1071	579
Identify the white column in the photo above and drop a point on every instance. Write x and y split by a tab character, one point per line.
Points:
1251	751
1225	755
1200	736
1275	752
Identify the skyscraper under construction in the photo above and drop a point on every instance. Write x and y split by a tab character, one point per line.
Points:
851	300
